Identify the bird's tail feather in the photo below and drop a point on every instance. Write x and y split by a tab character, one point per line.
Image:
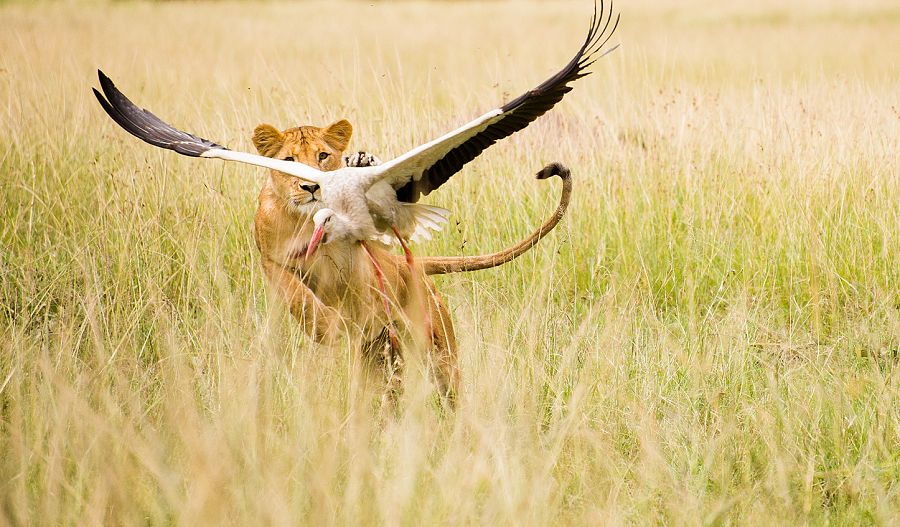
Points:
428	218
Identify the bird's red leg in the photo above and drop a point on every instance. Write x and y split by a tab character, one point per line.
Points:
406	251
414	281
379	277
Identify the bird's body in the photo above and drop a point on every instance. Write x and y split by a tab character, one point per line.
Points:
375	210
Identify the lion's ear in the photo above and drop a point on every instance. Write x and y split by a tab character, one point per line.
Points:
267	140
337	135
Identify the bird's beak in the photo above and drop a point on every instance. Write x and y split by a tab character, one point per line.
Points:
314	241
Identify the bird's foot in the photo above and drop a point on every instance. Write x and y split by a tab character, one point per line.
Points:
406	251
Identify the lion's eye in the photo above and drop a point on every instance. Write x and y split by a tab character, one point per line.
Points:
323	156
289	158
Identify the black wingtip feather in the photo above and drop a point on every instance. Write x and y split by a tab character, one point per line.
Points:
145	125
521	111
600	31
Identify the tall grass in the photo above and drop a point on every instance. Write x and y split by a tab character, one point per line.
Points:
712	335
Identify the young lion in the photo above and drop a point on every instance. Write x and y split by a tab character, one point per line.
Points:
335	292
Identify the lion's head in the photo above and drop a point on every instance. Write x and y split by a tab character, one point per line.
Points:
322	148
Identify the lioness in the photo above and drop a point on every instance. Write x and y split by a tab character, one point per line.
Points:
335	292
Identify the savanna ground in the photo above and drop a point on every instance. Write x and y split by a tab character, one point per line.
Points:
711	336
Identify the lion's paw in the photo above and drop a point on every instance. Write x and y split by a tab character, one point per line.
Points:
361	159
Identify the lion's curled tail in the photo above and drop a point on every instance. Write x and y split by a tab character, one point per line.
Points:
457	264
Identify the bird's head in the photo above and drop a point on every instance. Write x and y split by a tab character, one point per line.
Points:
328	227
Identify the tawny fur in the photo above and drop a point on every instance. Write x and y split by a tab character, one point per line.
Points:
334	292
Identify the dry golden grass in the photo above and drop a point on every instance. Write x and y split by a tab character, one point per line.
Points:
712	336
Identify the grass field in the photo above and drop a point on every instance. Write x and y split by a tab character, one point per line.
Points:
712	336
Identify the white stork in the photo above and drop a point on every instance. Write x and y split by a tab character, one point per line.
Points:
381	199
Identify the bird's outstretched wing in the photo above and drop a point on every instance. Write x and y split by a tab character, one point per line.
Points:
429	166
150	128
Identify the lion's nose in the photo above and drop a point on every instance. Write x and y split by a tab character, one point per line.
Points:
310	188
